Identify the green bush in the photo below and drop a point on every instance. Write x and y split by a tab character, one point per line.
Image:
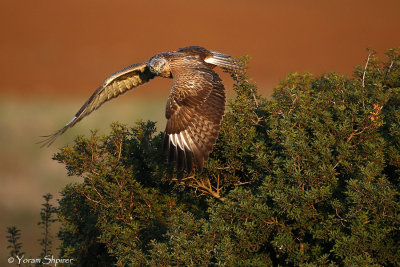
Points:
309	177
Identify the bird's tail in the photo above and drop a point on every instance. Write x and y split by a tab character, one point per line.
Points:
224	61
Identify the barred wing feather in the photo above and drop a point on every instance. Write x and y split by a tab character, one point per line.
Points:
114	85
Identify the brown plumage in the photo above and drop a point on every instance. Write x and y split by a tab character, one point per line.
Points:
195	106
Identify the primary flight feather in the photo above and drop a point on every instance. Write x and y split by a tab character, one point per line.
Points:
195	105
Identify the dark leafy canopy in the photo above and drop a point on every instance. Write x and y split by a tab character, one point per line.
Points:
310	177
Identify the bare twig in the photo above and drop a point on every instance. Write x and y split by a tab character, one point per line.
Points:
341	219
390	67
363	79
89	198
254	97
93	185
240	183
337	163
365	70
205	186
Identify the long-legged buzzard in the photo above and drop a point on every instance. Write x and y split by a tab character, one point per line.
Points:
195	106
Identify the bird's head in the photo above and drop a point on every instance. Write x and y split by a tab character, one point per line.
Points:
159	66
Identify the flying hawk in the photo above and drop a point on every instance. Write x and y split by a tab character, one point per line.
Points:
195	105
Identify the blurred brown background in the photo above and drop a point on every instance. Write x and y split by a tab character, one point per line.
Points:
55	53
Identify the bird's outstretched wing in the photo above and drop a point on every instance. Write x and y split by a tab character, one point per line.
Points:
194	111
113	86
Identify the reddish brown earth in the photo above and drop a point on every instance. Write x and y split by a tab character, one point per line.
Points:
67	47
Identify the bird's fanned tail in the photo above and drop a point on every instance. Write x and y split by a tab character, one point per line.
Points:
224	61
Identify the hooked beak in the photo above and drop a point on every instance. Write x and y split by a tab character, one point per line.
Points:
155	70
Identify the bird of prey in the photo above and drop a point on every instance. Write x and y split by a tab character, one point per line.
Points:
195	105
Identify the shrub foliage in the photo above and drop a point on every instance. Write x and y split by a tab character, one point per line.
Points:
308	177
